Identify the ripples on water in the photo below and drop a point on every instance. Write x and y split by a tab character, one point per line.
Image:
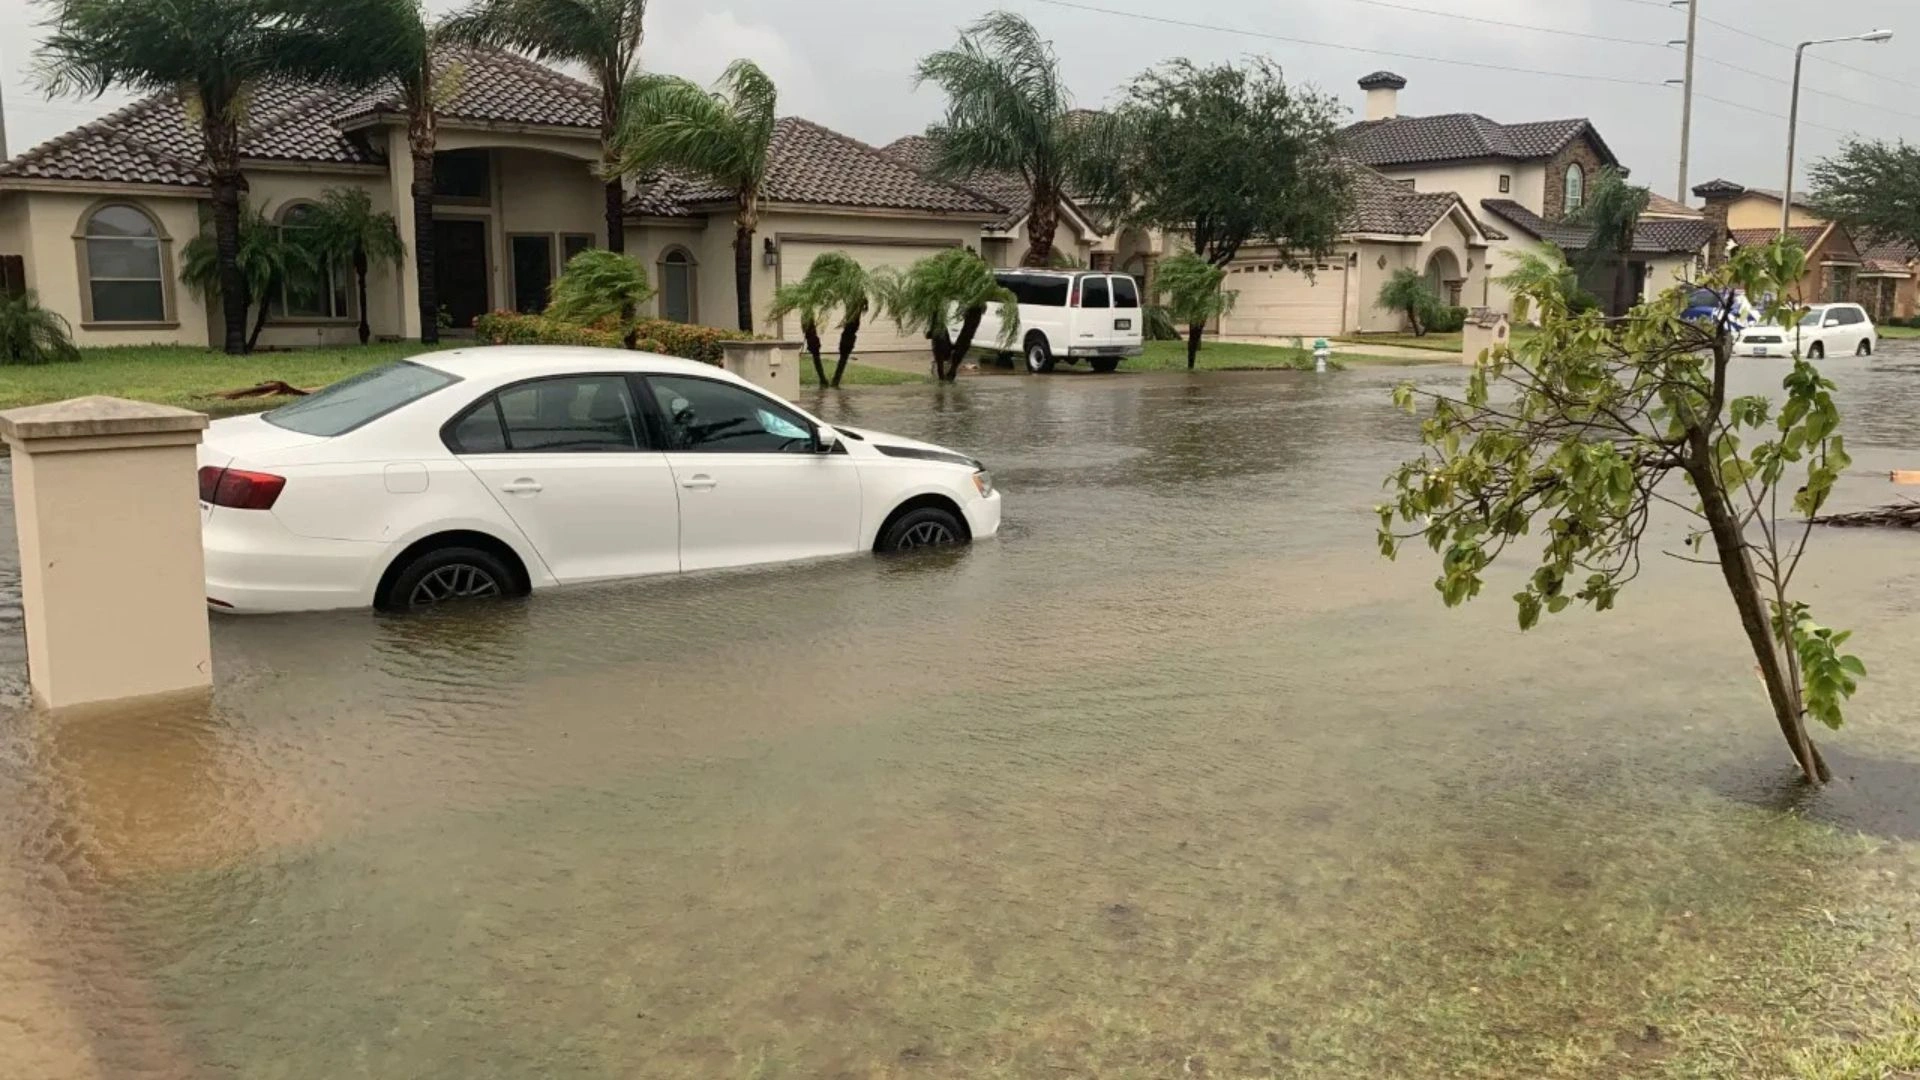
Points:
1175	773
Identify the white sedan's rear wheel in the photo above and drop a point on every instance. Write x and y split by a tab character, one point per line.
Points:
448	574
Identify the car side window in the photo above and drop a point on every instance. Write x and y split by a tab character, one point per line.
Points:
572	414
1093	292
708	416
1125	294
1851	316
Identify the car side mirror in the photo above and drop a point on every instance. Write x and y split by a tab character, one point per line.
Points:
824	439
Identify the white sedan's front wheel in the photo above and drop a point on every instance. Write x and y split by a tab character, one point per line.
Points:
928	526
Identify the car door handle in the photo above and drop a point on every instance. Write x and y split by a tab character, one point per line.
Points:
699	482
522	486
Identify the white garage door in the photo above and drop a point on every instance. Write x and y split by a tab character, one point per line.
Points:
1275	301
876	335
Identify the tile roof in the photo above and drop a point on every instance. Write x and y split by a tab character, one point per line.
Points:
1800	198
153	142
1383	80
812	164
1381	205
1890	258
1718	186
1654	236
1808	235
1661	206
1006	188
1422	140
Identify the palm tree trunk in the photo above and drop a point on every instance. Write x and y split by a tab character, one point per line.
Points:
849	333
969	324
1043	216
942	347
222	137
259	323
424	278
743	274
614	191
811	334
360	285
616	216
1193	343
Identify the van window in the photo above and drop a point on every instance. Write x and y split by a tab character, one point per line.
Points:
1093	292
1040	291
1125	293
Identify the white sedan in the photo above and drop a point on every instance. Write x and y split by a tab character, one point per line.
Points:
1825	330
491	471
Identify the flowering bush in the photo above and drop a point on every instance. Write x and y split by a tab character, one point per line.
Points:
662	336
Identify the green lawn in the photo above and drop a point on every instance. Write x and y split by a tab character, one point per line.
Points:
859	374
1900	333
1240	356
191	377
1449	343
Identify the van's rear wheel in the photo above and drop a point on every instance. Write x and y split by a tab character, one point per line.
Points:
1816	351
1105	364
1039	357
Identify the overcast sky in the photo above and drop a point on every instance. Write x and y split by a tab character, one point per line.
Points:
848	63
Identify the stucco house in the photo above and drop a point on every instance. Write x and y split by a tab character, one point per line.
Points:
100	214
1883	278
1526	179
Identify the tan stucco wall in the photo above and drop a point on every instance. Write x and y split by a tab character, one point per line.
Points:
1449	235
1665	272
1479	180
271	192
45	230
1760	212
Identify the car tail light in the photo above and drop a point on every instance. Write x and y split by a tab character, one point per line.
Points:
1073	293
239	488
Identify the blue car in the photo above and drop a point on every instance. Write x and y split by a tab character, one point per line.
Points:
1706	305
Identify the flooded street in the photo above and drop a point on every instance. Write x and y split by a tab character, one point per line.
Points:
1176	777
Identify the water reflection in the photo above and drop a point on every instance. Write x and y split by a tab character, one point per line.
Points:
1176	778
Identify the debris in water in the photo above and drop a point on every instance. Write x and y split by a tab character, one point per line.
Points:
1904	515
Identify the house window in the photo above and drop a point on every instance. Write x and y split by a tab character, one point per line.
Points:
532	271
1576	188
1407	183
122	266
1506	183
461	176
677	285
321	292
572	244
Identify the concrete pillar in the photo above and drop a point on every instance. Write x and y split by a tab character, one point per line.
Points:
1483	330
773	366
400	189
112	586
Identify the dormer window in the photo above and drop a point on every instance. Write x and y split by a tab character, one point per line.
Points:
1506	183
1576	188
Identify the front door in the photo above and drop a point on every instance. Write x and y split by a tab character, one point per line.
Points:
460	268
569	460
752	489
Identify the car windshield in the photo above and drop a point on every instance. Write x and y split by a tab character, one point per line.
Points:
1812	318
352	402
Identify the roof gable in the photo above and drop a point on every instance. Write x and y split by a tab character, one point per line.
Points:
1426	140
1653	236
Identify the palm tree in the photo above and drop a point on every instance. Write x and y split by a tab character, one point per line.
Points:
1612	211
1408	292
1543	272
933	291
598	285
266	259
602	36
835	282
344	227
1008	111
1194	295
31	334
212	52
723	137
421	91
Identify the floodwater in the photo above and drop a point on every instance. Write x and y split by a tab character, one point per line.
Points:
1175	778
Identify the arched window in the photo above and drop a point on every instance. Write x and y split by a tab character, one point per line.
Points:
677	285
123	266
1576	187
322	293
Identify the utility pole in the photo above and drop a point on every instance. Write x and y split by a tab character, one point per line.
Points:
1686	97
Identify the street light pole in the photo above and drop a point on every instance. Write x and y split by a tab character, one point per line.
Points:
1686	98
1793	112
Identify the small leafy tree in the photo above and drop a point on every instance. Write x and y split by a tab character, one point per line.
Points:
1574	436
1412	295
345	228
834	283
725	136
1231	155
31	334
1612	211
1542	268
1873	188
1008	111
266	259
935	291
1191	285
597	286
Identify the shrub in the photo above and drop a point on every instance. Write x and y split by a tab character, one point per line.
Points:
1446	320
597	285
662	336
1580	301
31	334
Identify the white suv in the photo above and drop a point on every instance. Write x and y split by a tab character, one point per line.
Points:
1071	315
1825	330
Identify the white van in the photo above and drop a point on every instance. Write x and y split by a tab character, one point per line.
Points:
1070	315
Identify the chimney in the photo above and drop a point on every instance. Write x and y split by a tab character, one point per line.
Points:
1719	196
1383	94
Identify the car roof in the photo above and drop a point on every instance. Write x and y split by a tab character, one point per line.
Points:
1050	272
507	362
